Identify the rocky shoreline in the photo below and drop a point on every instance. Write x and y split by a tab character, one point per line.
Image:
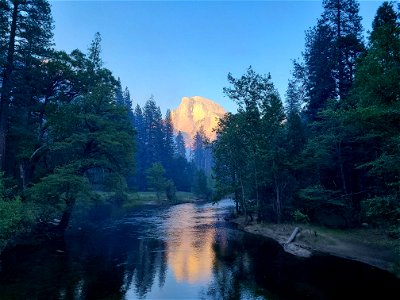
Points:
366	246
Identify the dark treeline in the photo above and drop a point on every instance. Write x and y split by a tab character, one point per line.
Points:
332	155
60	113
67	129
162	162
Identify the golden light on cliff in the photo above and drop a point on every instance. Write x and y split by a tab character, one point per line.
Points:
194	113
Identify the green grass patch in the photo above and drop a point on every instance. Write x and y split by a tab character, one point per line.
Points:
150	198
134	199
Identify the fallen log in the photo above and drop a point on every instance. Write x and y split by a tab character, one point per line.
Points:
294	248
293	235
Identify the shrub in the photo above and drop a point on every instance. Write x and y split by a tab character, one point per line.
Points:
170	191
11	213
299	217
382	210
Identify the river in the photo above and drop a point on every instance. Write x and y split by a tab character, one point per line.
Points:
185	251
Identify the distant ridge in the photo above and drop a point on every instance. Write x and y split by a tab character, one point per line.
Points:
195	112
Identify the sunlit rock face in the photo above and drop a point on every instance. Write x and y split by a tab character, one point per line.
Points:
195	112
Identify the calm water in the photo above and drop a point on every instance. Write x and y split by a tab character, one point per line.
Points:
184	252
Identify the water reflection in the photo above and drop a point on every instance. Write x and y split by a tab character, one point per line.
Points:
184	252
189	244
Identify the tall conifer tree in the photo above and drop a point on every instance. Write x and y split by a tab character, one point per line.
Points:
26	37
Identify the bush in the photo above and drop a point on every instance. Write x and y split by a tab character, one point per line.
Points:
119	198
15	216
11	213
155	176
170	191
201	187
382	210
299	217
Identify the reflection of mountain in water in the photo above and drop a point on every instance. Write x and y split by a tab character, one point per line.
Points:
182	252
190	254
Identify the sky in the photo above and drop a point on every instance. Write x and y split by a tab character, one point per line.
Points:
172	49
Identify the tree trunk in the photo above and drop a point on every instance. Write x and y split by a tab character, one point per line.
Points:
6	85
278	203
62	226
257	196
340	81
343	178
237	201
243	201
22	173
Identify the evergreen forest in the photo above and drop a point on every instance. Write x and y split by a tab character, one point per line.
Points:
68	130
328	152
330	155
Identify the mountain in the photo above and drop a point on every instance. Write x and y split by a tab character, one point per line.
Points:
194	112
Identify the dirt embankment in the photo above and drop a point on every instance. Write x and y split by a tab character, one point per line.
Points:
365	245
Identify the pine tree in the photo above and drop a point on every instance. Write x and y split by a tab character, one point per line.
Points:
139	126
296	93
153	137
180	148
377	79
83	151
95	52
231	167
201	152
3	33
26	37
295	99
377	97
168	145
343	19
332	48
319	61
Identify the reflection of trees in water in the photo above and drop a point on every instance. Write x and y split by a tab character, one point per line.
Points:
250	267
123	264
115	263
96	266
246	267
37	274
102	278
149	262
234	271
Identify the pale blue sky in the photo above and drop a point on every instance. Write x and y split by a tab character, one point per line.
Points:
173	49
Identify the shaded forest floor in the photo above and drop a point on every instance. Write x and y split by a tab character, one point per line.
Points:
366	245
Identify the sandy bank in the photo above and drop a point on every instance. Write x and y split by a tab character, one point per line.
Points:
368	246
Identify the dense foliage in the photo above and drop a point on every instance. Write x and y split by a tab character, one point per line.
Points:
68	131
158	146
59	116
333	155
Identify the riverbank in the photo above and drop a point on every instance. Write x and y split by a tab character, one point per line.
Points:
138	199
87	214
366	245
